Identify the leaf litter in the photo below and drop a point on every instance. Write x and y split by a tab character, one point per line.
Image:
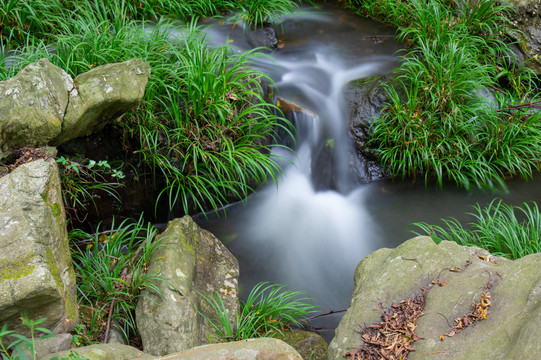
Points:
393	336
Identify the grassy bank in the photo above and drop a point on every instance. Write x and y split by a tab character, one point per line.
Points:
203	126
460	108
504	230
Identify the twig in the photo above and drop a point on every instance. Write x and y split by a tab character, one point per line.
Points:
327	313
109	317
417	261
529	105
446	320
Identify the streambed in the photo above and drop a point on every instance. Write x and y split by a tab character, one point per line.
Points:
311	230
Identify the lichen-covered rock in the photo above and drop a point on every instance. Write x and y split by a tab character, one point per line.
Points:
102	352
32	106
101	96
251	349
192	261
310	345
526	17
511	329
36	270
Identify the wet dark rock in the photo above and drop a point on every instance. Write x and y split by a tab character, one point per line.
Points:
365	100
262	37
527	19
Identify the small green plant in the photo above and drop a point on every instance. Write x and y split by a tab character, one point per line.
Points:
269	310
503	230
15	349
82	178
111	273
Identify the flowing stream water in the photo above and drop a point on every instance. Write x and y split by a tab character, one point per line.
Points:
311	229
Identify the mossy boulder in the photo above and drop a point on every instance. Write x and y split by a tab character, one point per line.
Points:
32	106
192	261
101	96
250	349
511	328
102	352
526	17
36	270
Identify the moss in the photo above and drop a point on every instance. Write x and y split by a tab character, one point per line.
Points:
15	269
69	301
55	208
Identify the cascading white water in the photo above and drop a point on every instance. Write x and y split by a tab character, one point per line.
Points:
311	229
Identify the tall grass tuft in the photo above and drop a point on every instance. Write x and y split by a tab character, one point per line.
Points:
440	122
269	310
503	230
111	273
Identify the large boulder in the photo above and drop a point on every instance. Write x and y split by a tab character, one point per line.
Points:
511	328
32	106
101	352
192	261
251	349
101	96
526	17
36	270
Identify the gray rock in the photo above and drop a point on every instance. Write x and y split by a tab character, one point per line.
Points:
52	345
310	345
510	331
192	260
103	352
32	106
251	349
36	270
101	96
365	100
265	36
527	19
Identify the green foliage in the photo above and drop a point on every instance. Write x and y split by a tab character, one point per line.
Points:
15	349
260	13
269	310
503	230
81	179
111	273
209	134
438	122
203	125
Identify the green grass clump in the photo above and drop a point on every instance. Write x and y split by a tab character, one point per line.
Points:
269	310
260	13
111	273
438	123
209	132
204	128
508	231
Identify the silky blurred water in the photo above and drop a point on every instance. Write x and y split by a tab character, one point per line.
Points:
311	229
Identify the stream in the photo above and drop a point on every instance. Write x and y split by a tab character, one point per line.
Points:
311	229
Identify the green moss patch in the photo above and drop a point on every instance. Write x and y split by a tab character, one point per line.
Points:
15	269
